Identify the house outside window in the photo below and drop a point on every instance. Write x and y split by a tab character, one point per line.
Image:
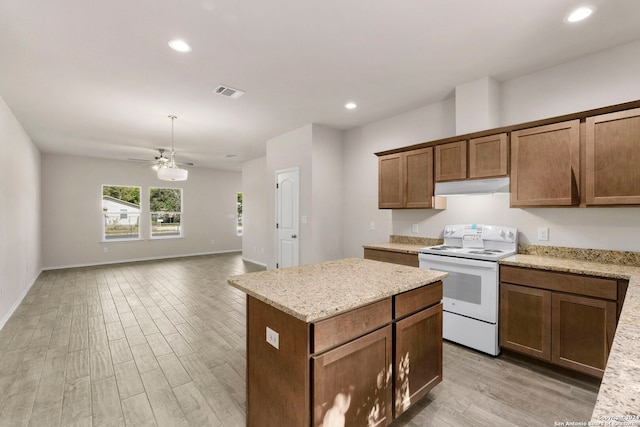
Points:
121	212
165	206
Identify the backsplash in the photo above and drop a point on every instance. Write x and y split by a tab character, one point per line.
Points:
591	255
411	240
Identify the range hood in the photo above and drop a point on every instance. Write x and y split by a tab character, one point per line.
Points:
474	186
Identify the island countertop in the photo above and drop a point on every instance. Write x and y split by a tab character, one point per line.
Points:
314	292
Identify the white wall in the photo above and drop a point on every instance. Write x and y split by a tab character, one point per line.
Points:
293	149
20	260
326	198
360	165
255	241
606	78
72	188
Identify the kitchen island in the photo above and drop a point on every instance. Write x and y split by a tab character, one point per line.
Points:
350	340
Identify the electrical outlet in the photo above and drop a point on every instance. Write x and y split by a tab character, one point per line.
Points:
543	233
273	338
213	242
414	228
372	226
105	249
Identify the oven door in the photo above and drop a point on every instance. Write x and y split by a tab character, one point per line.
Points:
471	289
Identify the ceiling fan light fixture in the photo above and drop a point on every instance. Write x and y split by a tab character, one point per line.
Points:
171	172
179	46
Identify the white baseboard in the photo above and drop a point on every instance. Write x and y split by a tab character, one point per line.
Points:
255	262
123	261
13	308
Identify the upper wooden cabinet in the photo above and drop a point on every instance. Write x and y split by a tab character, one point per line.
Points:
489	156
545	165
485	157
451	161
612	158
391	181
405	180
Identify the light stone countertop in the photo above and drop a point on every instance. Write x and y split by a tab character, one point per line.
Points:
619	393
406	248
313	292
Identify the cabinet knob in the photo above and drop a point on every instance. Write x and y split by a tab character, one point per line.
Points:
293	236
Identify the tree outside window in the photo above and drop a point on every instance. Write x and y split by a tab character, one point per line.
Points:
239	215
165	206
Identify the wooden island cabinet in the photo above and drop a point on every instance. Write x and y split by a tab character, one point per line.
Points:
354	340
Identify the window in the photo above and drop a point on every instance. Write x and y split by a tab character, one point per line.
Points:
165	206
121	212
239	216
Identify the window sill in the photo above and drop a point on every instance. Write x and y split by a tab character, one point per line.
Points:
166	237
135	239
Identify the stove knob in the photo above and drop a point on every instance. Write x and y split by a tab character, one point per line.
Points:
511	234
502	234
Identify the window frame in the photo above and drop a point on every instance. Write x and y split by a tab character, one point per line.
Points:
180	233
117	216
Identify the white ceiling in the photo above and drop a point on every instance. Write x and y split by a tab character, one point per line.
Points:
96	78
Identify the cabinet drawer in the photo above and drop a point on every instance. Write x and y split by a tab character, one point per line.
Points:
347	326
561	282
417	299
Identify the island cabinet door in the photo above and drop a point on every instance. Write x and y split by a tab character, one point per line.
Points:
418	360
351	383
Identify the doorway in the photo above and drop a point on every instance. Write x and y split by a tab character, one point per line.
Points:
287	208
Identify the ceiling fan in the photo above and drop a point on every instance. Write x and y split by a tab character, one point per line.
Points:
160	161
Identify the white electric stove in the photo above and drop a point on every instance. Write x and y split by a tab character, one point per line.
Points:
470	255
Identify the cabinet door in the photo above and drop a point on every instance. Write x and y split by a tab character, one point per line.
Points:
525	320
488	156
418	363
418	176
390	181
545	165
613	156
351	384
583	330
451	161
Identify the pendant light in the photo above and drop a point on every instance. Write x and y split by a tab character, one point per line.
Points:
171	172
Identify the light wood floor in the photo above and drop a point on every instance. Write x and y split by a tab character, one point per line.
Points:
163	343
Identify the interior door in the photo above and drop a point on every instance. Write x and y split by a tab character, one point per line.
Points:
287	207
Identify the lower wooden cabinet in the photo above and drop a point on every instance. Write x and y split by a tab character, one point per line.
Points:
351	384
540	318
418	362
582	330
525	320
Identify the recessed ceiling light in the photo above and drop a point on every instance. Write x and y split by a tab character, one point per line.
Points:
350	105
179	45
580	14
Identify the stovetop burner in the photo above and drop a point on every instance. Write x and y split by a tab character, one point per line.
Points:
476	241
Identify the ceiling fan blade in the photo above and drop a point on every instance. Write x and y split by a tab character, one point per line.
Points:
184	163
142	160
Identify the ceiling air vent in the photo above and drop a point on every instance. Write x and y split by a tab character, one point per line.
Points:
229	92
